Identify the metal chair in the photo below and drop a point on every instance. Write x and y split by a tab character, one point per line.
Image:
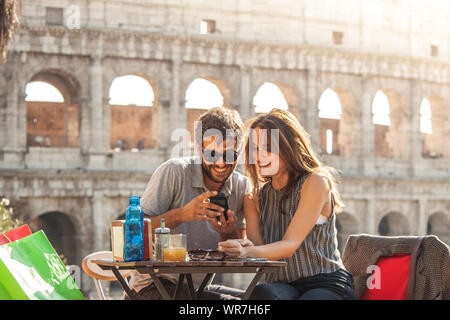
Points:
97	274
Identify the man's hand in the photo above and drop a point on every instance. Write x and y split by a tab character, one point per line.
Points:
226	228
200	209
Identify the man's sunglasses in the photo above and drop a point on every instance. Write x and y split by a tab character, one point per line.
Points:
213	155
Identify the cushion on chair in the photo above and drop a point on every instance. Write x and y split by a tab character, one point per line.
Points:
393	272
93	270
429	274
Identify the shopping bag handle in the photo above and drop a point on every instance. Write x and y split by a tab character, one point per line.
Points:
6	237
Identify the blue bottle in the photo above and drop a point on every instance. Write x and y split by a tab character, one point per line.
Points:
134	231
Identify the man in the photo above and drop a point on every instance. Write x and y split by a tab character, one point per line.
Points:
179	190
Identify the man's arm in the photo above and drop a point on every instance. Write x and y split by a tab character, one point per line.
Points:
164	185
227	228
158	196
234	227
172	219
197	209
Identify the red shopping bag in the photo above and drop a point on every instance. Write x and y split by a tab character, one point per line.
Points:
15	234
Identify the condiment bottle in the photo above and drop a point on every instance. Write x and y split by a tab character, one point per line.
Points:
161	240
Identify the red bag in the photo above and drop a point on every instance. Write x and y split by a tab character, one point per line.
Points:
15	234
394	272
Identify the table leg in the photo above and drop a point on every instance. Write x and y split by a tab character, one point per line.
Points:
191	287
206	282
130	293
252	284
161	289
179	286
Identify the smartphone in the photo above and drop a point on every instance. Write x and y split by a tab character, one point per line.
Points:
221	200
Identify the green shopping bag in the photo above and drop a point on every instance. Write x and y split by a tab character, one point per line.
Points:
31	269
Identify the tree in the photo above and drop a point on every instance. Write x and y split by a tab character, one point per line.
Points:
8	25
7	222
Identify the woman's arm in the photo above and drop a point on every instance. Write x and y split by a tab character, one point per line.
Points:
251	213
314	194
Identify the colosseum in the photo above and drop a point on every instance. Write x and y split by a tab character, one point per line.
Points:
69	166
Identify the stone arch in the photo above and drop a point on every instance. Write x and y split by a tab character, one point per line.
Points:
57	123
156	73
264	94
64	81
432	143
289	94
134	127
192	114
61	232
151	80
346	224
221	85
69	67
224	90
390	140
343	133
439	225
394	224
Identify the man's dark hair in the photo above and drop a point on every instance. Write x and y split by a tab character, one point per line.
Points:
221	119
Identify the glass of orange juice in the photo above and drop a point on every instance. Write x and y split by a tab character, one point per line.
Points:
176	249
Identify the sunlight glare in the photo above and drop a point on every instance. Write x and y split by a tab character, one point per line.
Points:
203	94
425	117
131	90
42	92
267	97
381	109
329	105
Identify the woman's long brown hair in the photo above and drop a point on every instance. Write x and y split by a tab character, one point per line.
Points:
294	149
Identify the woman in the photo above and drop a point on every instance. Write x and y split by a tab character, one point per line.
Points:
292	216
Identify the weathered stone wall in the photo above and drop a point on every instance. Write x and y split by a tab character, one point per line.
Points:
290	47
403	27
132	127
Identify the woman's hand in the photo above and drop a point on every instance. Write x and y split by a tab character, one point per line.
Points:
236	247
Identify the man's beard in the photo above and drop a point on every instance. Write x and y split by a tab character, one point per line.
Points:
207	169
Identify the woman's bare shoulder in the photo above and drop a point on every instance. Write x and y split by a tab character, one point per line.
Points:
317	179
316	182
251	198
